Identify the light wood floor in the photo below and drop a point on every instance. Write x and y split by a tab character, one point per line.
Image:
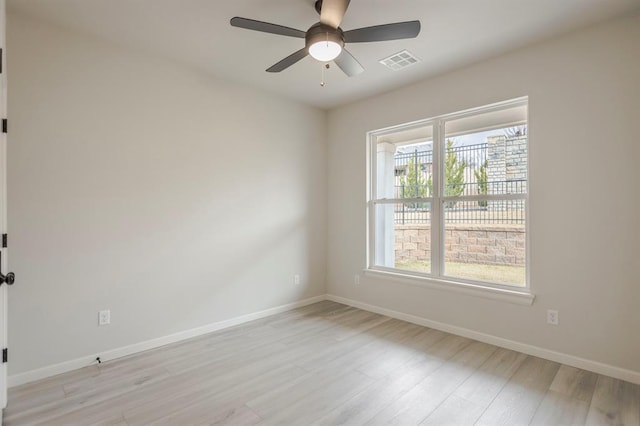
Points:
327	364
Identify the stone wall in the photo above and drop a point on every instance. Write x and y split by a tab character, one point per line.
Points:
486	244
413	242
506	170
506	161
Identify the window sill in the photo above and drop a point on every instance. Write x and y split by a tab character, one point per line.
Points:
511	296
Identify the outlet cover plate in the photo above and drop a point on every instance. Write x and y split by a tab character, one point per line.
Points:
104	317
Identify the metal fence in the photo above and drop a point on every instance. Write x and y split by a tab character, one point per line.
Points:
468	176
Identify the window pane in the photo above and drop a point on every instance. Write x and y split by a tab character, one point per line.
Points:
487	247
404	163
403	236
414	170
486	154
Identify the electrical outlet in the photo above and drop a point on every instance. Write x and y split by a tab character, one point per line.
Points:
296	279
104	317
552	317
356	279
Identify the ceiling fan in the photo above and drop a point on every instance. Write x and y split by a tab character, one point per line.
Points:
325	40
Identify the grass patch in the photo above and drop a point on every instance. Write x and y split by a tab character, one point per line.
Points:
506	274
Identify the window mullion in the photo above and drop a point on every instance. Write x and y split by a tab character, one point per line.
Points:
436	206
372	194
371	212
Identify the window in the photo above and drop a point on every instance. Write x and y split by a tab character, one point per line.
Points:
448	197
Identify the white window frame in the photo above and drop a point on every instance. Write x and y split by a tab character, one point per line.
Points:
436	277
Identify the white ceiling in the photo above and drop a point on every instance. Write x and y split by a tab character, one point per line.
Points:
197	32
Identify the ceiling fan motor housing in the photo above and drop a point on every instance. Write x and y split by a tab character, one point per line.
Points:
320	32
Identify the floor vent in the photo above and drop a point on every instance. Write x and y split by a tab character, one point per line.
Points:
400	60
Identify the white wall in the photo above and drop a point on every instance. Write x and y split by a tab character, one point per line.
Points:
172	198
584	106
177	200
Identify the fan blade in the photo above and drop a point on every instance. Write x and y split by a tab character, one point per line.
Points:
333	11
385	32
266	27
289	60
348	63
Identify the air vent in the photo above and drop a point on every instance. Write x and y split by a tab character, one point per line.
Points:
400	60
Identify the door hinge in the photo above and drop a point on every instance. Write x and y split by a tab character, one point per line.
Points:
4	240
4	125
1	58
5	355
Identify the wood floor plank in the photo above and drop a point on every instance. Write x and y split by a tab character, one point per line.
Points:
210	379
485	384
319	401
567	400
519	399
614	402
395	337
223	379
207	408
454	411
559	409
417	404
344	331
326	364
474	395
47	390
240	416
26	399
575	383
71	404
213	400
365	405
347	350
280	400
96	420
397	355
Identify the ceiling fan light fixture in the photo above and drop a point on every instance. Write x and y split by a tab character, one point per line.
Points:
324	43
325	50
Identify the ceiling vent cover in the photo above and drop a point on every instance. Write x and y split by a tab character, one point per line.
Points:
400	60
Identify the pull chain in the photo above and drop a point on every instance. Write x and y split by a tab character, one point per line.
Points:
324	67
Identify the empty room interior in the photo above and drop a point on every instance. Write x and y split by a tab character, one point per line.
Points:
302	212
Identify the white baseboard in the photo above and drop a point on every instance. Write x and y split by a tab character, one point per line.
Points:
585	364
63	367
573	361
